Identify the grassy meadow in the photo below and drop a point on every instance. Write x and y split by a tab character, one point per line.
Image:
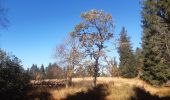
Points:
107	88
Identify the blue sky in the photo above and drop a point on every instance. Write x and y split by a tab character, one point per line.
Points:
37	26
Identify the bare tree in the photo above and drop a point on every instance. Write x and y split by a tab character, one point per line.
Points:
112	66
95	29
68	55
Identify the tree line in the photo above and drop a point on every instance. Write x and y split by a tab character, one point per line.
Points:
54	71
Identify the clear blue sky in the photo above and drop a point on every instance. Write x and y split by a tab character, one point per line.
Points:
37	26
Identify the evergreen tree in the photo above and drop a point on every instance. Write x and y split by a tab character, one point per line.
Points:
34	70
53	71
49	73
155	41
42	72
139	61
127	61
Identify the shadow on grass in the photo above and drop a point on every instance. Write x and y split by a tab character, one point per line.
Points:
141	94
97	93
39	94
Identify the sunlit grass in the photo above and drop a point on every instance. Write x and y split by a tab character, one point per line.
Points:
116	88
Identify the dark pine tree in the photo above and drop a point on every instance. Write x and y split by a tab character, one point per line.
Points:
155	41
127	60
42	72
49	73
34	70
139	61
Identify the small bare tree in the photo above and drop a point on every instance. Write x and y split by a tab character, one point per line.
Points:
68	55
112	67
95	29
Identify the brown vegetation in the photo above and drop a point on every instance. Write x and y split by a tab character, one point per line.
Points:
107	89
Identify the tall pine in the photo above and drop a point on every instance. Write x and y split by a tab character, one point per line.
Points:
155	41
42	72
127	60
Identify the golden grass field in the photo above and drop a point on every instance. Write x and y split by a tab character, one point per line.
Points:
108	88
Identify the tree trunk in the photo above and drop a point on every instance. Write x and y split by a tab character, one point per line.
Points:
69	82
69	77
94	81
95	72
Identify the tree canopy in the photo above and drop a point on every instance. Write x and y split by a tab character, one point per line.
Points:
13	78
155	41
93	32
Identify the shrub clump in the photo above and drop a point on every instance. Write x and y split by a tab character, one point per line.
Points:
13	78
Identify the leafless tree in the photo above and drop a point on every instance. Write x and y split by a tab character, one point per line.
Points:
112	66
68	55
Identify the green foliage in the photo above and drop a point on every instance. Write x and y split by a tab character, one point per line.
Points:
13	78
127	60
139	61
139	57
156	42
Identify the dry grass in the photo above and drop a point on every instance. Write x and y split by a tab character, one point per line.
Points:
160	91
124	92
63	93
112	88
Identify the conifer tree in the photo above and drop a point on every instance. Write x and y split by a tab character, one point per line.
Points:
139	61
155	41
42	72
34	70
127	61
